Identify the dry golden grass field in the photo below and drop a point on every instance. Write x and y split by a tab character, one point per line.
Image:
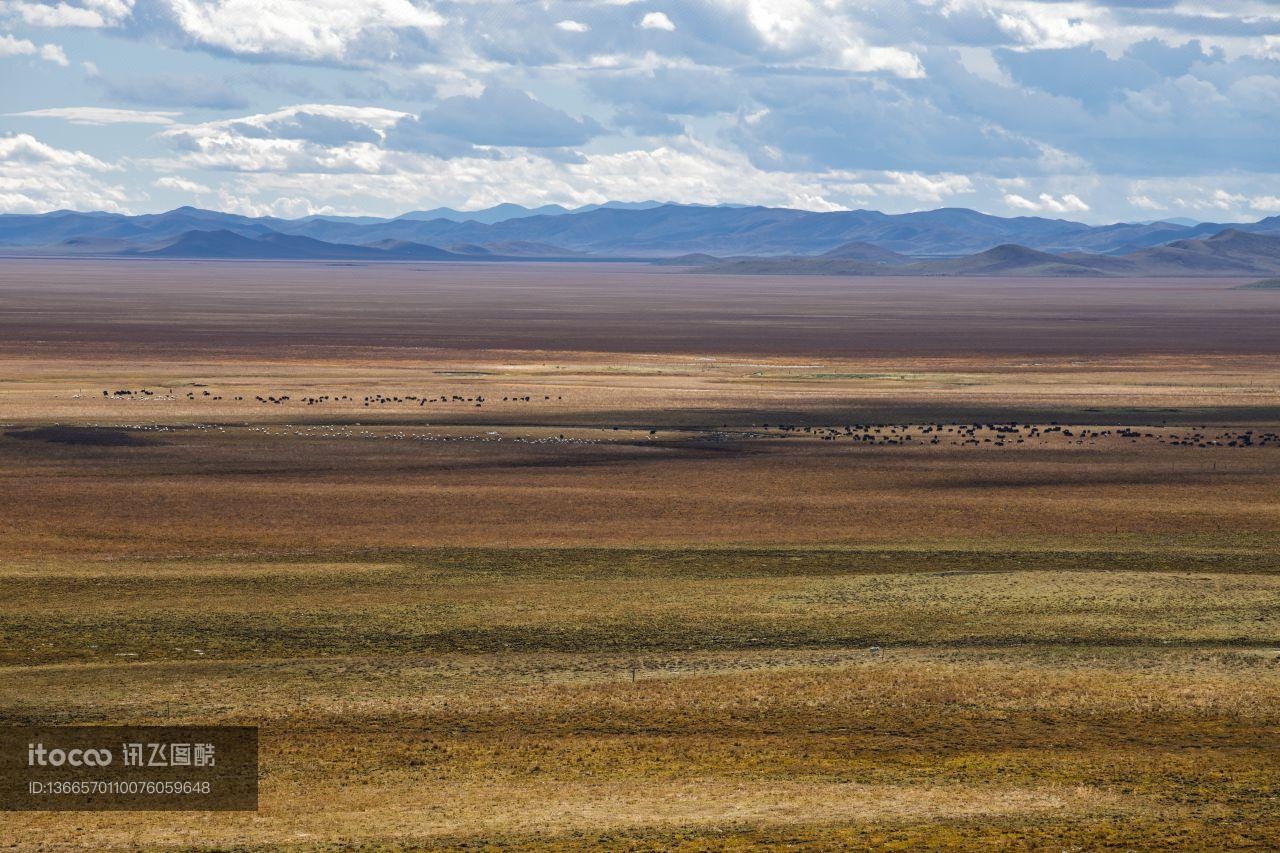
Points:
577	556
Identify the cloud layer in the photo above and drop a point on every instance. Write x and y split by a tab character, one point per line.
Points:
1079	108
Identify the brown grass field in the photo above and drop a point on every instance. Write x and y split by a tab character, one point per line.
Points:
577	556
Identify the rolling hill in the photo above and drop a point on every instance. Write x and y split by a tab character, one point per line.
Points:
1229	253
857	250
1231	250
223	244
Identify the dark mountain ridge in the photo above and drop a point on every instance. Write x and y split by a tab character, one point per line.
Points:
222	244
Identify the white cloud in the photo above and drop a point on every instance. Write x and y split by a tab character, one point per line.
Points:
822	35
173	182
296	122
781	24
570	26
292	207
657	21
925	187
25	148
1220	197
1046	203
92	14
310	30
36	177
10	46
308	138
1020	202
1049	27
1072	204
231	152
864	58
102	115
1224	200
55	54
1240	201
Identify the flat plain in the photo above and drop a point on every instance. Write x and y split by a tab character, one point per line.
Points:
554	556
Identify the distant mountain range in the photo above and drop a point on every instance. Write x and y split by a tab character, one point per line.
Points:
726	238
503	212
1230	252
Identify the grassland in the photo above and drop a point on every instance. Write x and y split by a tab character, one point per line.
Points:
625	612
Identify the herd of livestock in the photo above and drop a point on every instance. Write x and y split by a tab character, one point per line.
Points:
1005	434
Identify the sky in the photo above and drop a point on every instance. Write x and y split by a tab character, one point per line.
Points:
1093	110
